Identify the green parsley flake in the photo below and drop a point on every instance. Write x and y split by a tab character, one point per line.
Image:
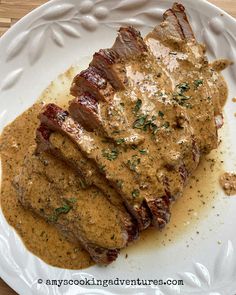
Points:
140	122
111	155
145	124
180	97
138	105
197	83
133	163
120	141
120	183
166	125
102	168
143	152
135	193
72	200
182	87
58	211
161	114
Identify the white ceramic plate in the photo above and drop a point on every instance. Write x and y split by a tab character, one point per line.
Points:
47	42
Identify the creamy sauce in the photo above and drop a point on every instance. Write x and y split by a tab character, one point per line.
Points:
39	237
228	183
43	239
187	212
199	94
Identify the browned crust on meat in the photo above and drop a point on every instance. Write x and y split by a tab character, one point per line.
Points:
175	26
160	209
84	109
170	17
111	66
91	81
178	18
129	43
57	119
105	75
102	255
179	11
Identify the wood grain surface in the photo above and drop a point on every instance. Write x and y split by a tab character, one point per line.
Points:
13	10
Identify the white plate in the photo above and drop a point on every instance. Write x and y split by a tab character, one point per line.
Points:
47	42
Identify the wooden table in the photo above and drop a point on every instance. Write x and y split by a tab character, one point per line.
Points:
12	10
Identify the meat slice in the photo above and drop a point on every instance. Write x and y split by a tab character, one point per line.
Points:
157	191
84	109
178	20
59	120
129	43
174	28
179	12
60	200
63	148
90	80
107	68
184	62
112	67
158	204
152	114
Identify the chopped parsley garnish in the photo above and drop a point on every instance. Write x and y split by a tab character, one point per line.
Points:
72	200
111	155
143	152
58	211
102	168
182	101
120	141
166	125
133	163
145	124
138	105
65	209
120	183
197	83
183	87
135	193
149	124
161	114
180	97
140	122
